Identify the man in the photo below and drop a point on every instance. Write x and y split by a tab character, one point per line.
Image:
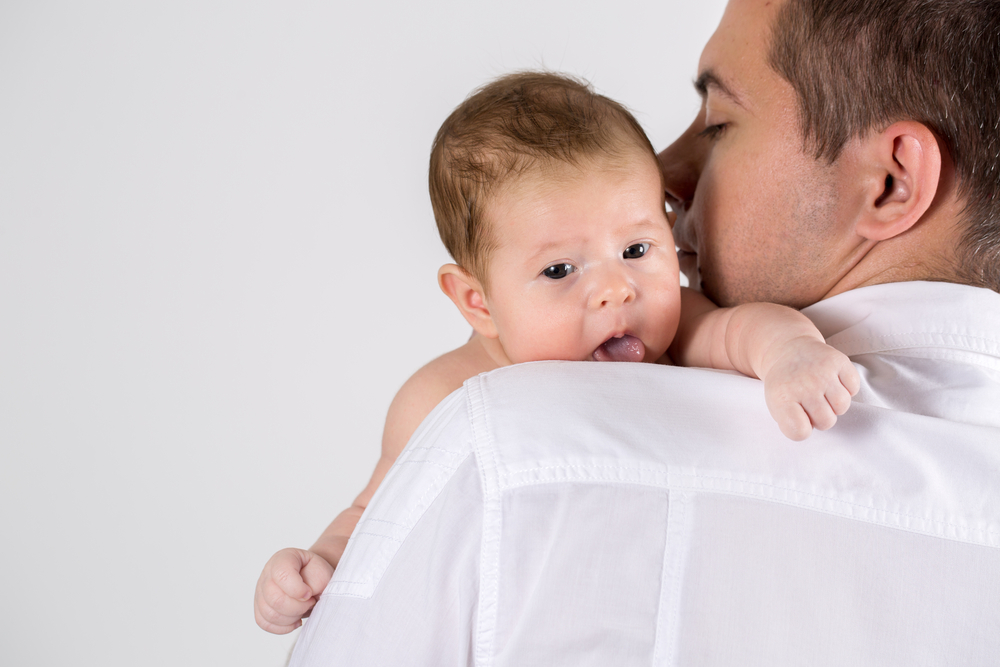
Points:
591	514
842	144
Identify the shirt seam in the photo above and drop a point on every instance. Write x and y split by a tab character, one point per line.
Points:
886	343
673	485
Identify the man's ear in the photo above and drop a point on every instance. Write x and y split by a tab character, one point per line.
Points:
468	294
904	167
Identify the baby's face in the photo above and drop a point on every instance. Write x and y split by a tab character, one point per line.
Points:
585	267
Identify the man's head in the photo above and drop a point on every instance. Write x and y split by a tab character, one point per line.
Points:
842	143
550	199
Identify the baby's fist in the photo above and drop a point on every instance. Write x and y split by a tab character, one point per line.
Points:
289	586
808	386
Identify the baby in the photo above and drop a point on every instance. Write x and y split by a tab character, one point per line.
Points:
550	200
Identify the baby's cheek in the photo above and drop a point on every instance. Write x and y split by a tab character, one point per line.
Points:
548	348
669	316
545	340
521	345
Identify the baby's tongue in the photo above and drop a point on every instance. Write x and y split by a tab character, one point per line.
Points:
626	348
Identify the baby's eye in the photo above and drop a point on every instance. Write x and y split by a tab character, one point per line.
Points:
557	271
635	251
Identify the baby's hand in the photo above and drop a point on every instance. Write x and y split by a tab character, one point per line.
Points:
288	588
808	385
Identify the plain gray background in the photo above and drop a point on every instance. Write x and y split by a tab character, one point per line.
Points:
217	266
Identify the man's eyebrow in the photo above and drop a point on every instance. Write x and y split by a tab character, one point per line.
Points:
709	79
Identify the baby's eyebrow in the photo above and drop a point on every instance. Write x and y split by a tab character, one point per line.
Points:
710	80
645	223
544	251
640	228
545	248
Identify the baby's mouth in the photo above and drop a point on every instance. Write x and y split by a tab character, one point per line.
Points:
620	348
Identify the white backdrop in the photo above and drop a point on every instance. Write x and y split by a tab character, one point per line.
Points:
217	266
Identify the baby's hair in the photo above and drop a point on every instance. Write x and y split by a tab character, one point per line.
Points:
518	123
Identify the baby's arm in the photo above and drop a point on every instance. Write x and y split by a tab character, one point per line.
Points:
293	579
412	403
807	383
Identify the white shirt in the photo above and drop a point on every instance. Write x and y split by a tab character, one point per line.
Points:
629	514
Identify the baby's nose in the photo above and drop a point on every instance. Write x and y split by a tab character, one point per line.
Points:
613	289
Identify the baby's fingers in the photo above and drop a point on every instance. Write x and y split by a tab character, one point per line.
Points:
821	414
839	399
316	574
285	590
297	573
851	380
275	612
792	419
273	622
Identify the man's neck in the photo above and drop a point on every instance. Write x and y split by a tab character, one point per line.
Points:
924	252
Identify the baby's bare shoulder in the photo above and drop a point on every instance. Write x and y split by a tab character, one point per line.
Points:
428	387
453	368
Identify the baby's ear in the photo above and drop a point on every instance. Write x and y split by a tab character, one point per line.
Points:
467	293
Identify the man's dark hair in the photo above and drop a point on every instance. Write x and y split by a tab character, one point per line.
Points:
860	65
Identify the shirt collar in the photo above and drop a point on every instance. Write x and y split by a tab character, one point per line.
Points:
910	315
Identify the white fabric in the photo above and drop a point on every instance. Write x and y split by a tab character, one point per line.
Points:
628	514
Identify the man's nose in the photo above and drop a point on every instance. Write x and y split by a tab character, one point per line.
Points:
681	164
612	287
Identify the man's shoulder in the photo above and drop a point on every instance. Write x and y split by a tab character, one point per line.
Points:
903	315
927	348
705	432
607	409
